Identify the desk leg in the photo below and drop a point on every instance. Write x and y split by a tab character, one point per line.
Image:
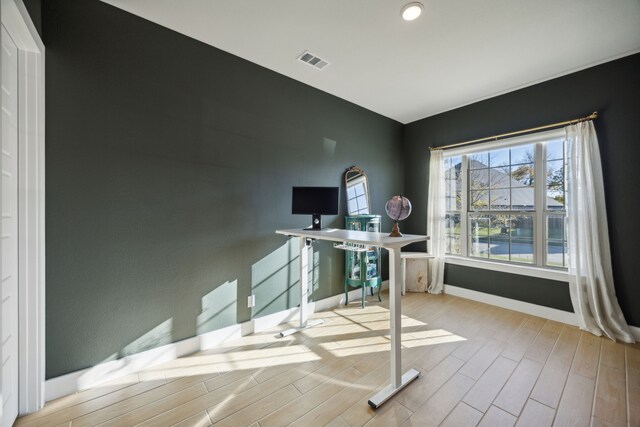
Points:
398	380
404	276
304	291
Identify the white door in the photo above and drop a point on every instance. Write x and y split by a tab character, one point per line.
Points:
9	270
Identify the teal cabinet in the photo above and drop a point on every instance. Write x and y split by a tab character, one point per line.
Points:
362	267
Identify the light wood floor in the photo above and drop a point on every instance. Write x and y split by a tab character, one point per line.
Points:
481	365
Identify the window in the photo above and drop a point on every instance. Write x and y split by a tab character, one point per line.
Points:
505	201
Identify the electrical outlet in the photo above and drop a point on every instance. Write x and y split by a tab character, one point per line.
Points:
251	301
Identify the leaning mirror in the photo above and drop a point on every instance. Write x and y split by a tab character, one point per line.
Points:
357	191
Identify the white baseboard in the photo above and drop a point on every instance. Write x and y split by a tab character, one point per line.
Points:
512	304
114	369
523	307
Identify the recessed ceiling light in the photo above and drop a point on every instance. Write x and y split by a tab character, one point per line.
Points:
411	11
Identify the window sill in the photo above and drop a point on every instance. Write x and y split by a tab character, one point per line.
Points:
525	270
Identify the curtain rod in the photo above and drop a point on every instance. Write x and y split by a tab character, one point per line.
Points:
591	116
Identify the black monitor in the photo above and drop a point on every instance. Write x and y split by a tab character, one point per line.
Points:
315	201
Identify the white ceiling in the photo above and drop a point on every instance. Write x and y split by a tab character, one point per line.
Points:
456	53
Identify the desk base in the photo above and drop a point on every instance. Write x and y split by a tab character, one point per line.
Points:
309	324
388	392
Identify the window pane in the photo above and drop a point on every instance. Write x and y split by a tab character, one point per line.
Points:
479	248
479	200
359	189
450	203
479	179
499	247
523	199
522	250
555	173
555	150
522	226
479	236
453	244
452	223
499	226
452	167
499	158
500	200
453	183
450	187
500	178
523	175
523	154
556	249
479	225
450	173
479	160
555	253
555	199
555	227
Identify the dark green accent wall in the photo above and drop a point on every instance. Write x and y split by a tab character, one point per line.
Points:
613	89
169	166
170	163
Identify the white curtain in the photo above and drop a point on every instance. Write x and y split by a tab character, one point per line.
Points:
590	276
435	221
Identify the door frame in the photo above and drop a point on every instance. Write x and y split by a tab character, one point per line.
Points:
31	205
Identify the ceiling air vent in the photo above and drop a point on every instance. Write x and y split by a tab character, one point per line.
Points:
313	60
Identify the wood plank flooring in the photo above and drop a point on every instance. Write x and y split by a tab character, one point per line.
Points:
480	365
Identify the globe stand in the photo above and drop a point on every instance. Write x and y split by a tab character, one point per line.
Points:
395	231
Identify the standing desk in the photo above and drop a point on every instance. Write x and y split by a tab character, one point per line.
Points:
382	240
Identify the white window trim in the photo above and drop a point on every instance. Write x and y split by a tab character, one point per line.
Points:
525	270
544	272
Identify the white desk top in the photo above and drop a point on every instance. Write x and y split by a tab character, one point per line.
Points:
364	237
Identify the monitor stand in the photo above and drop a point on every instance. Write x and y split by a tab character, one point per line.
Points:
316	222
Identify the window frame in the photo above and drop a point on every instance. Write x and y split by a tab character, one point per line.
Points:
540	213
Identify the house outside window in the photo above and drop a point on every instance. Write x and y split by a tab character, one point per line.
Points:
505	201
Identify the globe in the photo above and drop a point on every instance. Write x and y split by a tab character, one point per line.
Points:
398	208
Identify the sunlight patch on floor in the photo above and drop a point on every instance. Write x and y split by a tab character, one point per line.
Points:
359	346
346	332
